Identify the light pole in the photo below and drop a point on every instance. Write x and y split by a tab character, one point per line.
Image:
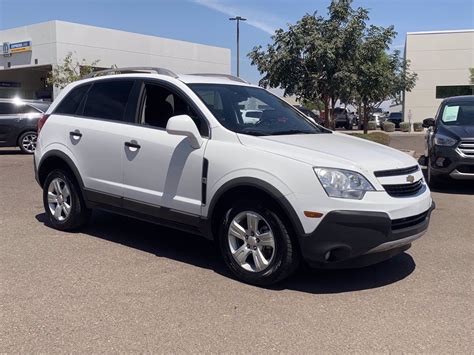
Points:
238	19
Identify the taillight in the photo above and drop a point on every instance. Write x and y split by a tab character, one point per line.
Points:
41	122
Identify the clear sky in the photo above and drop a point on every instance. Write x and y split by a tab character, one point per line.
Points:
206	21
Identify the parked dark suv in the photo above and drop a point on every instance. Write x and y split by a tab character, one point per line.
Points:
18	122
449	147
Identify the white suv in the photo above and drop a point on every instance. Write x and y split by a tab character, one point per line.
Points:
175	150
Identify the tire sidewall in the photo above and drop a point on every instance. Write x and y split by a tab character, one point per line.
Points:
76	206
272	272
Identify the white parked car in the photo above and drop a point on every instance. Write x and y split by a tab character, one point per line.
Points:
175	150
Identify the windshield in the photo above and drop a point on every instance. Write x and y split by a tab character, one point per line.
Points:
230	104
458	114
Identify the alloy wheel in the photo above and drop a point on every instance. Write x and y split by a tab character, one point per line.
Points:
59	199
29	142
251	241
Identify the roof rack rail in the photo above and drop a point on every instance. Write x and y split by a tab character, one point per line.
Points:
227	76
131	70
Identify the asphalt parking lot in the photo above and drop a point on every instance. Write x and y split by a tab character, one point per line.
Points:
122	285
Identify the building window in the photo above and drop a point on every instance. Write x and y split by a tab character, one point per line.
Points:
443	92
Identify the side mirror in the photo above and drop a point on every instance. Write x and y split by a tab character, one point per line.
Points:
183	125
428	122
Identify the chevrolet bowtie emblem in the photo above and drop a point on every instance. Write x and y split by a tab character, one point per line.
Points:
410	178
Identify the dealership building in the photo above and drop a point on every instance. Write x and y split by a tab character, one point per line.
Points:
442	60
30	52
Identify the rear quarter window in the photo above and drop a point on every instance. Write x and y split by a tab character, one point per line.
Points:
71	102
108	99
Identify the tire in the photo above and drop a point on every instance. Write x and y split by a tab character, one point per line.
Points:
27	142
433	180
65	208
349	126
281	260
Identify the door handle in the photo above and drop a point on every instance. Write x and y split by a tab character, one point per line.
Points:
132	144
75	134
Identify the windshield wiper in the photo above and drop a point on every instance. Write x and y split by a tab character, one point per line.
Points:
291	131
253	133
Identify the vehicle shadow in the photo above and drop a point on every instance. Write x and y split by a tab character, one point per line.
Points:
10	152
197	251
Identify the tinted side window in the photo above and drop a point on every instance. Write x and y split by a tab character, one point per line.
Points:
108	99
7	108
70	104
161	104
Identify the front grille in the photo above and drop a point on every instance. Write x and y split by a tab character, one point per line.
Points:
396	172
409	221
467	148
404	190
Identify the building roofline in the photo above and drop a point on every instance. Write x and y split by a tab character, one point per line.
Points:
440	32
55	22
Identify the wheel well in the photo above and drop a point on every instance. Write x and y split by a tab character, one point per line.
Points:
49	164
228	197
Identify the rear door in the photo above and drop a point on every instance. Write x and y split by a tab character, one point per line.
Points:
96	134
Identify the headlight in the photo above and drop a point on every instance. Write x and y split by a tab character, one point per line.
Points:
343	183
445	141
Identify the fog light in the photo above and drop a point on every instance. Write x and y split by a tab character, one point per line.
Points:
440	162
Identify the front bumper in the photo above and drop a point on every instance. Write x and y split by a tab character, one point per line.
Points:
346	238
448	161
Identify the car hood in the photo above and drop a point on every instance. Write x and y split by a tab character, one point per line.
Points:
332	150
461	131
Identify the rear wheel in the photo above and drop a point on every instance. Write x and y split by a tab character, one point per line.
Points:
256	245
27	142
62	201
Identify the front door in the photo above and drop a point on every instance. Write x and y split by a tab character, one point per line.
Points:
160	169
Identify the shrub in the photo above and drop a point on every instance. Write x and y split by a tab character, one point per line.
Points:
371	126
405	127
379	137
388	126
418	126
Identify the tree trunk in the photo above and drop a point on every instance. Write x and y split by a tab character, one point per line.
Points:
326	112
366	118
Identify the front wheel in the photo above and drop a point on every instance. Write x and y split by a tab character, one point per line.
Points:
433	180
256	245
62	201
27	142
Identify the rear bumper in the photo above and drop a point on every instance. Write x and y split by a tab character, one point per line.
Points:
348	237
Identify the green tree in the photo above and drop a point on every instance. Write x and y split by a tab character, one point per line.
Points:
313	59
70	70
471	76
338	57
378	75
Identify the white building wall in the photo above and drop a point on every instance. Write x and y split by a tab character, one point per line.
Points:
53	40
439	59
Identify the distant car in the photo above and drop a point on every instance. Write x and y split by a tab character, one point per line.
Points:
378	116
396	118
18	122
251	116
344	118
310	114
449	141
